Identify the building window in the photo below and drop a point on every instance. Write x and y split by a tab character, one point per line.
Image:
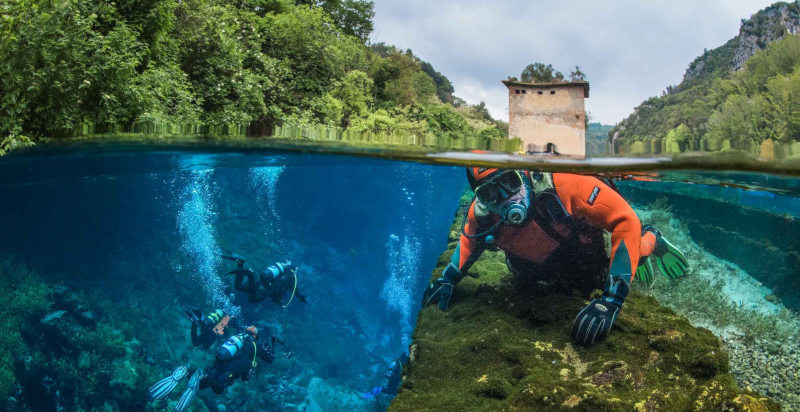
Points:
552	92
516	90
523	91
540	92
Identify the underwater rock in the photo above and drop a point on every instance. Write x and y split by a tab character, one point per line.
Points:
498	348
324	396
66	360
52	316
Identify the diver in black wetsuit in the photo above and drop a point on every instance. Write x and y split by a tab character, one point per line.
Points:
207	329
273	282
394	377
236	359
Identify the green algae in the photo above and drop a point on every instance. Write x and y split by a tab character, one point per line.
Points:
59	351
498	348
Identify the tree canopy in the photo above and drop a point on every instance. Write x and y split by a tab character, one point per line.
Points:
546	73
540	73
69	66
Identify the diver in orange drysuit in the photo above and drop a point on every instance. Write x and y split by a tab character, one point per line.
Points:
551	227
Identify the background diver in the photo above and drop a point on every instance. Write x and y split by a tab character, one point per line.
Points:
393	376
235	359
207	329
553	229
273	282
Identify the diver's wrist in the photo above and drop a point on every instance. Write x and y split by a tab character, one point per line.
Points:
451	274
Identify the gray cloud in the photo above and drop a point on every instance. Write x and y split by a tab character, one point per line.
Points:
630	49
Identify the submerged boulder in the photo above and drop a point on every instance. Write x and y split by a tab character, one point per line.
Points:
59	357
498	348
326	396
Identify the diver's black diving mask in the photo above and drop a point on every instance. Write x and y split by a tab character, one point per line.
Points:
499	188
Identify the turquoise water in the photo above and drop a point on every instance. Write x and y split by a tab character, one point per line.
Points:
103	250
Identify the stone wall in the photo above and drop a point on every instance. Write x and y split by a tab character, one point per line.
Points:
540	115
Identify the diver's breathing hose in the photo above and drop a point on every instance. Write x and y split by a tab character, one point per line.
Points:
489	231
294	289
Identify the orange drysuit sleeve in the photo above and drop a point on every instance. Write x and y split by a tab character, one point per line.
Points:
468	250
588	198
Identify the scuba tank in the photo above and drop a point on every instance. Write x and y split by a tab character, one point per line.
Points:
231	347
278	269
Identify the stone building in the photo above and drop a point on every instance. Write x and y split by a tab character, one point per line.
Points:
548	115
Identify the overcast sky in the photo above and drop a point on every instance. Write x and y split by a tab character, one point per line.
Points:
630	49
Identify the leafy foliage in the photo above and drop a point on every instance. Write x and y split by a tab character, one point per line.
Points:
541	73
577	75
354	17
69	68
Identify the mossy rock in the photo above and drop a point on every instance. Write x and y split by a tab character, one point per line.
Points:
498	348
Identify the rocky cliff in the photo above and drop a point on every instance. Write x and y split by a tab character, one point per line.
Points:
688	103
755	34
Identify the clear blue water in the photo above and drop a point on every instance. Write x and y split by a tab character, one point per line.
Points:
137	236
365	234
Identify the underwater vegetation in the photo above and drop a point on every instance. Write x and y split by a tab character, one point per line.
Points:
758	331
61	353
498	348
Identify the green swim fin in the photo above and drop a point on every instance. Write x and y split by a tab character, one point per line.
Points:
671	261
644	273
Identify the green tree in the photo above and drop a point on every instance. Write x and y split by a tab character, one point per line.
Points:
354	17
677	139
540	73
577	75
59	72
783	93
740	119
69	65
309	55
220	66
355	93
444	89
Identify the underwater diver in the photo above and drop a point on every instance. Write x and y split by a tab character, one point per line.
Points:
207	329
553	228
273	282
235	359
393	376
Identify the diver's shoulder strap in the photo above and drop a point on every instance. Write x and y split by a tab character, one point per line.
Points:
548	207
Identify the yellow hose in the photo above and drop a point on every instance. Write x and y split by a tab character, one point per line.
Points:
294	289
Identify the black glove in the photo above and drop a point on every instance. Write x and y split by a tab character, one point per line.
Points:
594	322
441	289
